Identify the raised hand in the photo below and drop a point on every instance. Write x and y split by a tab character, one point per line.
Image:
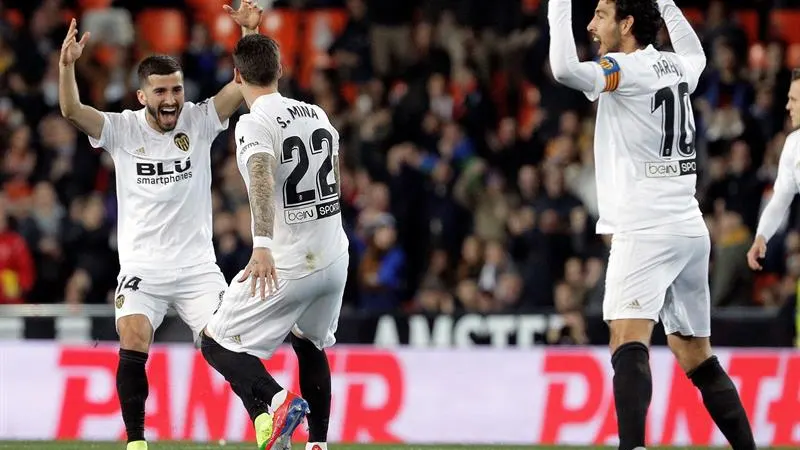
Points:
72	48
248	15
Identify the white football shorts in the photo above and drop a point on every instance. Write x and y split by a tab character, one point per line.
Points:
195	292
660	277
308	307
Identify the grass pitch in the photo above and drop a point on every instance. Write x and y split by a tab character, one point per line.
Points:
94	445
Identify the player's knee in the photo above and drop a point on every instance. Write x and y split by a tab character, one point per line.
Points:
135	333
629	330
689	351
301	345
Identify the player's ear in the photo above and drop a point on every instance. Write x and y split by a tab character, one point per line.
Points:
237	76
142	99
626	25
280	71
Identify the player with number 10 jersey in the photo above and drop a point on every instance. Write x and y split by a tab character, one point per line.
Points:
644	138
646	173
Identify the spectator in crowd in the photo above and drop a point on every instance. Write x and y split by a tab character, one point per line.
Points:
17	271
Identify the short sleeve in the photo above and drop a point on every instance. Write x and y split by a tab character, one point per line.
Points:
607	78
785	181
115	127
335	143
692	71
251	138
208	112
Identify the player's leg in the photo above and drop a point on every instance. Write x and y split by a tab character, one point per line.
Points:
201	290
313	333
687	322
639	270
243	331
138	314
632	382
315	387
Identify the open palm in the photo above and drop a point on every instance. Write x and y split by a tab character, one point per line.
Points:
72	49
248	15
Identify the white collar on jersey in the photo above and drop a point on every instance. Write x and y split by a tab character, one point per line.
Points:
648	49
265	98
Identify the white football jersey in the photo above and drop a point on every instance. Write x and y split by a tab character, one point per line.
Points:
163	186
308	234
786	185
645	164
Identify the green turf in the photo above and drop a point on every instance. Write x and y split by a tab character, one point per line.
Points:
82	445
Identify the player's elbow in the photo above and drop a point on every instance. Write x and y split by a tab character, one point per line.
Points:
70	111
560	71
66	111
699	62
562	75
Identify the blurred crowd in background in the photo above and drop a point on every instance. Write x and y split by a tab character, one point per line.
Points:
467	178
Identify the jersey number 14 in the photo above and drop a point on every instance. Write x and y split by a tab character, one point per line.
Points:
665	100
320	139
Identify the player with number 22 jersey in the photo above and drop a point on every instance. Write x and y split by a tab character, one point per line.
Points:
308	232
288	154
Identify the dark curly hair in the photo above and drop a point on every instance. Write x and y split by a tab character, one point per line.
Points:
646	19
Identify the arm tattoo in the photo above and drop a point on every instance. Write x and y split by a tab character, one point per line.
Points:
261	169
336	176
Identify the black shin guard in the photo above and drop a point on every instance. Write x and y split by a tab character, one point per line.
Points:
247	376
132	390
723	404
315	387
633	388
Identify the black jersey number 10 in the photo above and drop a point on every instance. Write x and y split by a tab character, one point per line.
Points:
294	149
665	100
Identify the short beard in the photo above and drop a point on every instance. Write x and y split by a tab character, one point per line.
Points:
154	113
617	43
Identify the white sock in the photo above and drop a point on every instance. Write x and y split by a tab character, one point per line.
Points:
317	446
278	399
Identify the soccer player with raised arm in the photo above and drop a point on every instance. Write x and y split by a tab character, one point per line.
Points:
787	183
288	155
162	156
646	175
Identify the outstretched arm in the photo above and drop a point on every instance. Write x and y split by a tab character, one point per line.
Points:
564	63
84	117
229	98
684	40
783	192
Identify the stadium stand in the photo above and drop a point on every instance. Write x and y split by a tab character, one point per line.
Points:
468	177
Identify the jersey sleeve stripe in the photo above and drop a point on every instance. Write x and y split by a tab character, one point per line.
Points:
611	72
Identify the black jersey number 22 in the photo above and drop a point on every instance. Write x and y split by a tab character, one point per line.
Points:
665	100
295	149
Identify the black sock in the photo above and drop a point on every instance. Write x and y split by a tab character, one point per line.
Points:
633	387
315	387
132	390
723	403
246	374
